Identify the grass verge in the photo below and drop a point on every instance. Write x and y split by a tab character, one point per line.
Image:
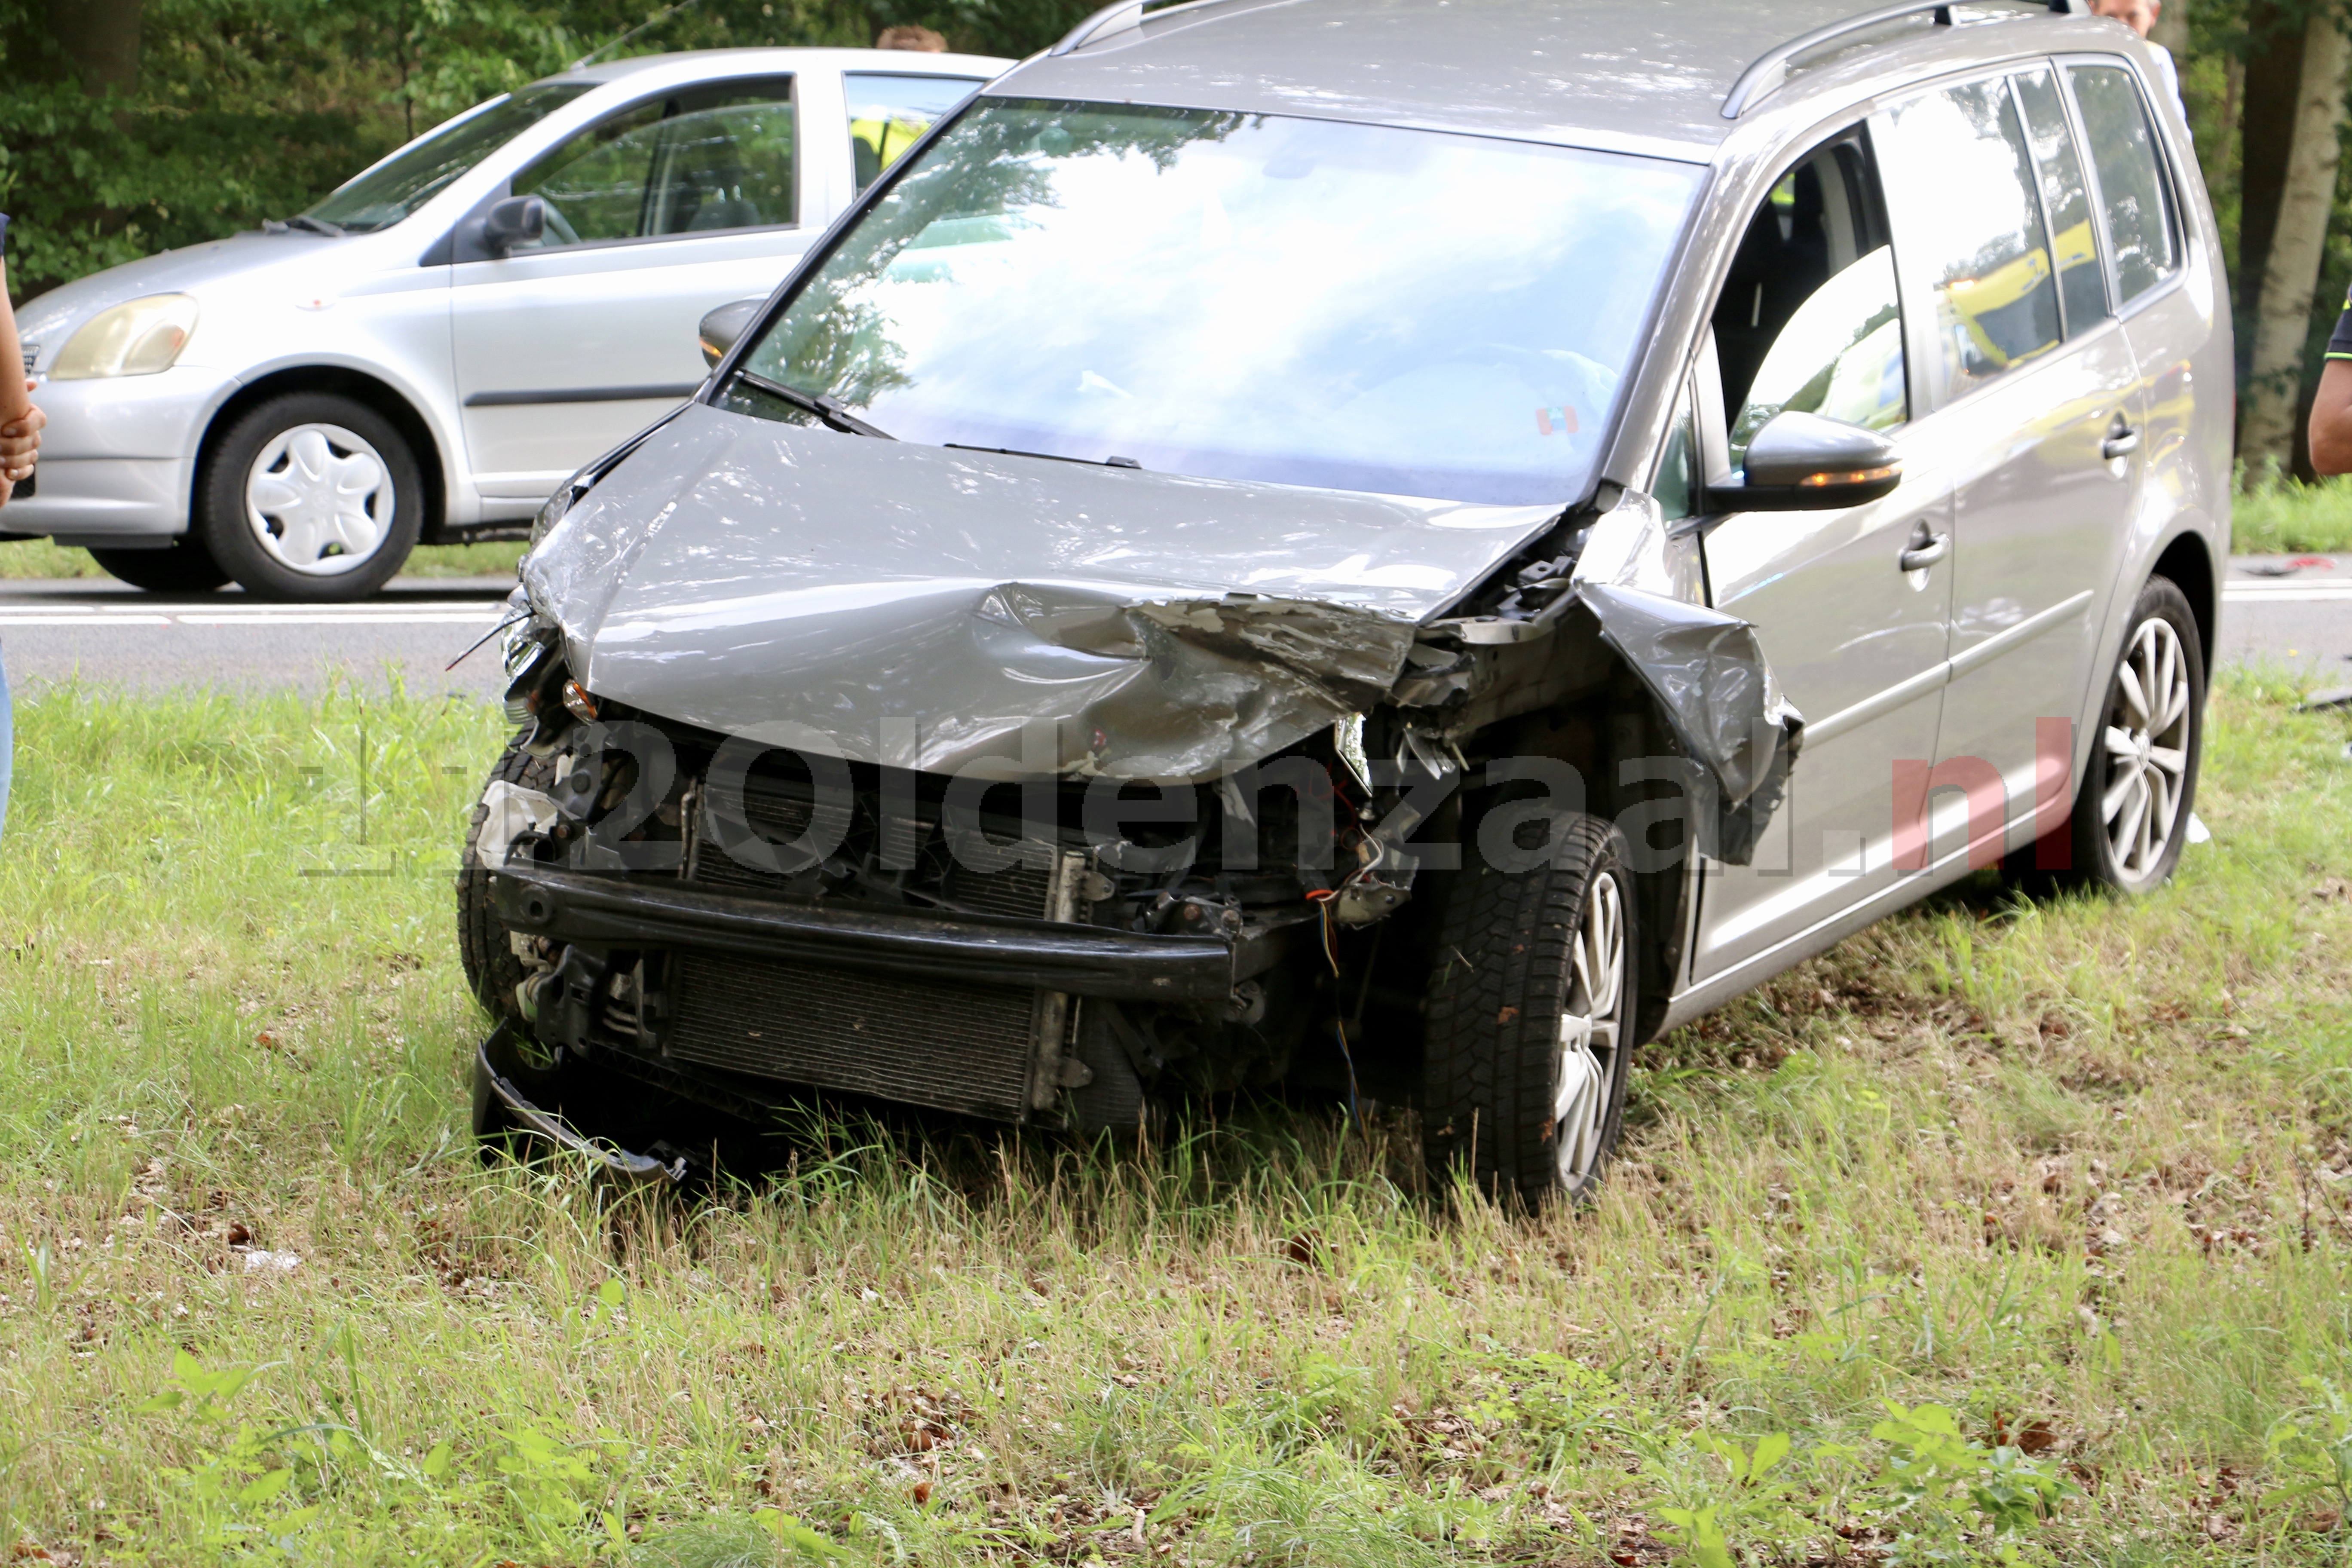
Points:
2003	1228
43	558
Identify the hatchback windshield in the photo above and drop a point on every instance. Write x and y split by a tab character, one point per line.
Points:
416	175
1241	296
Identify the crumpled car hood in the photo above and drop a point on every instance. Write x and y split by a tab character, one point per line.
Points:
950	610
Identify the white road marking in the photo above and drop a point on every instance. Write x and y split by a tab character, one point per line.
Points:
2297	593
430	613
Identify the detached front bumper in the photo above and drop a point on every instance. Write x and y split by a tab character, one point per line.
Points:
1075	960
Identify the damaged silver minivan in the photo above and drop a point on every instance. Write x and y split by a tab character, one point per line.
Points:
1395	548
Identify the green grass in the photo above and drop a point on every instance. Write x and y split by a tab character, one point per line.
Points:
2077	1172
2281	516
42	558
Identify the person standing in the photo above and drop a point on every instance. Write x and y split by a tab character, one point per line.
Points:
20	437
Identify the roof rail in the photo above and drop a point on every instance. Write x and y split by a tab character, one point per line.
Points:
1765	74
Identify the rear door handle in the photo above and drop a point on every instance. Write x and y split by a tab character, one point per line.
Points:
1925	553
2120	443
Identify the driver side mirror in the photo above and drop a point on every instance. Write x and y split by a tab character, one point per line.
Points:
723	326
1803	462
518	220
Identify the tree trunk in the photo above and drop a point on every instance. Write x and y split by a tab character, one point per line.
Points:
2290	269
2265	137
102	39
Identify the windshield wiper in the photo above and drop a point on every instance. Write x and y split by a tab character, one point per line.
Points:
1049	457
828	409
306	223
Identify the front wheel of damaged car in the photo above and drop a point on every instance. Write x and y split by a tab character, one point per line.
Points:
1530	1015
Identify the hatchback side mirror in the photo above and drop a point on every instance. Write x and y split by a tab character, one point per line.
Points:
1803	462
723	326
518	220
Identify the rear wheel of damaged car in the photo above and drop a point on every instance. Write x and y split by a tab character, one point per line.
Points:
183	566
1530	1011
2139	781
311	497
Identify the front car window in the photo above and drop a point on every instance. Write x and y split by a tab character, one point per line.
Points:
2131	186
888	113
1969	227
718	157
419	172
1840	356
1241	296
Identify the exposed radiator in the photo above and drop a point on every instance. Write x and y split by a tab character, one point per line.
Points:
926	1042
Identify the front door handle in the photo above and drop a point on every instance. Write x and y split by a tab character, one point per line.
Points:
1925	552
2121	442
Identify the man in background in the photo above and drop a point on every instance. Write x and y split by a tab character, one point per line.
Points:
922	40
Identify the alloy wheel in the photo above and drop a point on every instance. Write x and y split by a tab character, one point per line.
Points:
2147	740
319	500
1590	1026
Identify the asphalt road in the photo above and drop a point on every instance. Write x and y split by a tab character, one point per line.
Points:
106	634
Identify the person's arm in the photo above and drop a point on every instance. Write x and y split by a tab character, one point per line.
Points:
20	422
2331	410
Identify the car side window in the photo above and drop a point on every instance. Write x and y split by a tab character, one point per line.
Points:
2132	190
888	113
1968	226
718	157
2066	202
1809	317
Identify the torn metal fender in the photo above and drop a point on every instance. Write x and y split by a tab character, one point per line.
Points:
1642	580
1706	669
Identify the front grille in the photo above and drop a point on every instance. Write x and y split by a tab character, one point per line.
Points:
924	1042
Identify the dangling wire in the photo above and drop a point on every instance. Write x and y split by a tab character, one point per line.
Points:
1340	1024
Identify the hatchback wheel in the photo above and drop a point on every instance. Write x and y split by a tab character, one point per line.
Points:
313	497
183	566
2131	815
1530	1018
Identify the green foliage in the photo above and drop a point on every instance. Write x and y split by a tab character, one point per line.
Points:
1942	1481
2311	1448
235	1492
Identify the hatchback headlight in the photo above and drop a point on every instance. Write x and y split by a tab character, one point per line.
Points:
139	338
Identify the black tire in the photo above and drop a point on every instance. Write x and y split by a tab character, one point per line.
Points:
1503	978
183	567
2084	852
231	536
491	968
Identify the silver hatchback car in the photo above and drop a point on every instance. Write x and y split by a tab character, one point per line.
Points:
422	354
1395	549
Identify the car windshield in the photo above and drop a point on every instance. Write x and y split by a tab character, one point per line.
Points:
1241	296
416	173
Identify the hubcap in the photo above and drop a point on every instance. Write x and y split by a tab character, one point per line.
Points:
319	500
1589	1029
2146	740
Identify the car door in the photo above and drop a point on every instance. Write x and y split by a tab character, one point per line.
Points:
1852	604
655	214
2169	324
2032	388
